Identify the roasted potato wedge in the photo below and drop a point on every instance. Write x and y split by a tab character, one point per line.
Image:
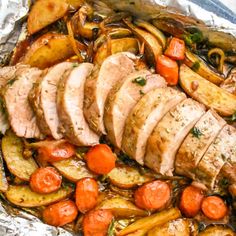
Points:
179	227
127	177
201	68
72	169
49	49
206	92
117	45
147	223
45	12
12	149
217	230
23	196
3	179
154	48
122	208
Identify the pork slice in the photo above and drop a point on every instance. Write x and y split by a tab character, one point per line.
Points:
20	114
70	97
221	151
197	142
144	117
43	99
7	74
122	99
98	85
169	133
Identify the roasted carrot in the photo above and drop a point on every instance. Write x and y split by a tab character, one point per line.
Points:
86	194
190	201
45	180
60	213
176	49
100	159
96	222
169	69
153	195
214	208
55	151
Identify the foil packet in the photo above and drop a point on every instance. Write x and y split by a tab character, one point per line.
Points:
215	18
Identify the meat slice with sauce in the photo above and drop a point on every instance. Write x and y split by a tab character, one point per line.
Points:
70	97
122	99
43	99
221	151
169	133
144	117
7	75
20	114
98	85
197	142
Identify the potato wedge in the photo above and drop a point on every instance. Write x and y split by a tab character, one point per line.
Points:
3	179
117	45
73	169
127	177
23	196
179	227
12	149
45	12
154	48
147	223
49	49
217	230
122	208
206	92
200	67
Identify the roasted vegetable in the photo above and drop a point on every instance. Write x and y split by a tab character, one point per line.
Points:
12	149
3	179
73	169
154	48
45	12
179	227
75	4
206	92
23	196
116	45
49	49
200	67
217	230
127	177
147	223
122	208
153	30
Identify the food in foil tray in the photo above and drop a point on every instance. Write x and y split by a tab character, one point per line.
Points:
117	125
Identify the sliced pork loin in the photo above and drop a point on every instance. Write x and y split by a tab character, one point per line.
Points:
7	75
144	117
122	99
169	133
220	152
70	97
197	142
98	85
20	114
43	99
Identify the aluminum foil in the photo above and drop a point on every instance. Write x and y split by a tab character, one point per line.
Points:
218	15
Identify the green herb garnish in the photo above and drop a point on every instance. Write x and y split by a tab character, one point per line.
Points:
11	81
140	81
111	229
224	183
233	117
192	38
75	65
196	65
196	132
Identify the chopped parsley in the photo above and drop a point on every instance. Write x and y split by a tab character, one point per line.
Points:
11	81
111	229
233	117
196	132
75	65
224	183
194	37
140	81
196	65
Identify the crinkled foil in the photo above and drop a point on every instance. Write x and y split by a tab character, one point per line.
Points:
218	15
